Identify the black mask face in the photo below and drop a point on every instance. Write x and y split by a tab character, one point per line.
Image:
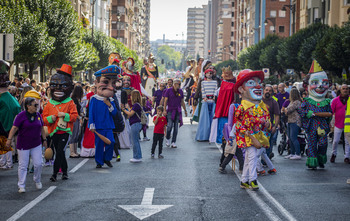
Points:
61	86
4	76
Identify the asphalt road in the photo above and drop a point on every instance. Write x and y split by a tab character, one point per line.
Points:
188	181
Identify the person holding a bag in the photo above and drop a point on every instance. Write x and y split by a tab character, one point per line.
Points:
29	125
135	119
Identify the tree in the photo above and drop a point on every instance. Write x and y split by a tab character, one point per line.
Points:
242	59
32	41
170	56
233	64
268	57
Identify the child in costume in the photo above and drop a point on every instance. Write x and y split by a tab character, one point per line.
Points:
59	115
252	123
316	114
101	112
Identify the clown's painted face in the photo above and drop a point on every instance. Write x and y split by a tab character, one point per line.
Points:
126	82
253	89
61	86
318	85
112	57
106	87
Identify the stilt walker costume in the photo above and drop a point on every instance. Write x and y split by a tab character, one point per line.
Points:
101	112
9	108
224	100
209	86
252	123
316	113
59	115
135	78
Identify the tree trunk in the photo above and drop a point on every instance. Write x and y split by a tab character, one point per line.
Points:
42	72
31	69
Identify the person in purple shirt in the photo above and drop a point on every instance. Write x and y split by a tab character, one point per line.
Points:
169	85
282	96
30	127
173	100
157	97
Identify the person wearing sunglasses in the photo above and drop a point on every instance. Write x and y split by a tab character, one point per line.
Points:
29	125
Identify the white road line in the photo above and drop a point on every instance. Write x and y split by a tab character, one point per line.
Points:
147	196
78	166
30	205
267	210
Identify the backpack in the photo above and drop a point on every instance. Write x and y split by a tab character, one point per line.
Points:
118	118
143	117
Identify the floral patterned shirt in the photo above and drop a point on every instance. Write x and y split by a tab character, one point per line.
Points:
252	118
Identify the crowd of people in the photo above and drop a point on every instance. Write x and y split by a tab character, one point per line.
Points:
240	113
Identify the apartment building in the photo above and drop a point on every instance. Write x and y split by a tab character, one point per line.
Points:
196	31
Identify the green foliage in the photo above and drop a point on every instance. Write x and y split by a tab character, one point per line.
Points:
243	59
171	57
233	64
268	57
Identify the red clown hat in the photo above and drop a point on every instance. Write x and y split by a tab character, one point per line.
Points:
245	75
65	69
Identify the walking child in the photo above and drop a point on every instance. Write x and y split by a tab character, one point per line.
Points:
160	124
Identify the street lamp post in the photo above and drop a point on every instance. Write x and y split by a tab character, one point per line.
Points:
118	18
292	8
92	21
273	20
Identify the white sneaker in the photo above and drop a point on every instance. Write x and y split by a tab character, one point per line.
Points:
173	145
21	190
295	157
39	185
167	142
133	160
288	156
146	139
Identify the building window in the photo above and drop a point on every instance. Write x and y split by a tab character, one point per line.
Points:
231	33
281	14
281	29
346	2
316	13
232	24
233	14
282	0
233	4
272	28
273	13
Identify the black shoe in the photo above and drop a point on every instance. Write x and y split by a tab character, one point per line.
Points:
98	166
321	165
53	178
108	163
65	176
271	155
222	170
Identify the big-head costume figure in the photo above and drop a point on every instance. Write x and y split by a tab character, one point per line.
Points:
151	74
315	115
59	115
9	108
135	79
101	112
252	123
225	99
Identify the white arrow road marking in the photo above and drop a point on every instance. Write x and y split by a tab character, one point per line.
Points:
146	209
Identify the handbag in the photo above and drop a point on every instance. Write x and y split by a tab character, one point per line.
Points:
230	148
143	116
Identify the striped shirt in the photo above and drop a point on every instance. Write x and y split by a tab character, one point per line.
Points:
209	88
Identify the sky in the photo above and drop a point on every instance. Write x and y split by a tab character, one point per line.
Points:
169	17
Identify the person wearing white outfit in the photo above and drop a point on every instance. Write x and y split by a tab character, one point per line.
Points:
29	125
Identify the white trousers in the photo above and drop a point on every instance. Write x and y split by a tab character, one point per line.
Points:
336	138
262	152
6	160
249	168
23	161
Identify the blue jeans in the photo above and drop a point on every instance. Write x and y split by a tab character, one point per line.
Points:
273	138
292	133
172	123
136	148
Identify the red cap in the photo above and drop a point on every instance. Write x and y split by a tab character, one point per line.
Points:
65	69
245	75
